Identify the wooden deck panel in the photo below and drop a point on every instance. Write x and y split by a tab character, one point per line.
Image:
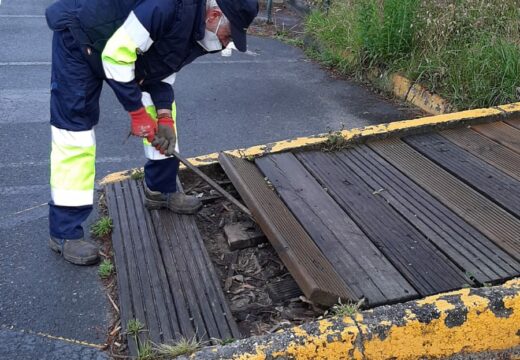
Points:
312	271
503	133
492	220
470	249
359	262
427	269
488	150
488	180
165	277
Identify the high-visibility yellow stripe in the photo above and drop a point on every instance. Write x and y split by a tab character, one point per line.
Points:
72	167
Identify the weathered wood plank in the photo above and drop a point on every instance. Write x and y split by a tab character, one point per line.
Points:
355	258
426	268
514	123
167	279
127	243
502	133
493	221
488	150
120	260
311	270
487	179
475	253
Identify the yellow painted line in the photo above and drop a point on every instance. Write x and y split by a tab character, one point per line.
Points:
356	134
53	337
407	90
463	321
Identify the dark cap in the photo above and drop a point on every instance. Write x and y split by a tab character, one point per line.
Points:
240	14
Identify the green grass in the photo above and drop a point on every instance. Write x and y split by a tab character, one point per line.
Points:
137	174
467	51
102	227
345	309
134	327
106	268
183	346
146	352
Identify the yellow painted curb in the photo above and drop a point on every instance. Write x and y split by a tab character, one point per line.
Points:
463	321
414	93
357	134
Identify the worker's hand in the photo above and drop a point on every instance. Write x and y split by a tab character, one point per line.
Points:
166	138
142	124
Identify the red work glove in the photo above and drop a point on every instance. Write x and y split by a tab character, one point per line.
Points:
142	124
166	137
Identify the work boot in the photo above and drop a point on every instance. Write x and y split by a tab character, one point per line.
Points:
79	252
177	202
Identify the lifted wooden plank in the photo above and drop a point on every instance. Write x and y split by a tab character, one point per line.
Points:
485	178
171	286
361	264
312	271
475	253
426	268
493	153
502	133
490	219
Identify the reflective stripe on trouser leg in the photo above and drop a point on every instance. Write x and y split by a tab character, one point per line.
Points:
72	181
160	172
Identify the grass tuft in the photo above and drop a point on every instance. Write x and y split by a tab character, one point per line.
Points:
134	327
349	308
146	352
183	346
106	268
137	174
102	227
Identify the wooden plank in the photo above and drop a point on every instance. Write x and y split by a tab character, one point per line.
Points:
162	303
210	282
496	223
167	279
485	178
283	290
311	270
426	268
138	236
120	260
127	242
486	149
354	256
204	324
513	122
190	319
502	133
475	253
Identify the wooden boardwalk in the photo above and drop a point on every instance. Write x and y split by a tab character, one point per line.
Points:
165	277
383	222
399	218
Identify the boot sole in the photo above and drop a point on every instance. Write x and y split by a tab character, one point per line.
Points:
156	205
74	260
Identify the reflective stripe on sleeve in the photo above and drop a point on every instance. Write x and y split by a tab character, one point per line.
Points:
137	32
150	152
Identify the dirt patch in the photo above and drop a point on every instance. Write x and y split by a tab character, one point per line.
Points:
261	293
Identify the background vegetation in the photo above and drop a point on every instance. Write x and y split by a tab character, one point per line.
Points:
467	51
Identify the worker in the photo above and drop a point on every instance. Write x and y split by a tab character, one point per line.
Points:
137	47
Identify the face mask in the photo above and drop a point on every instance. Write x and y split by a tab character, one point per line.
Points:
210	42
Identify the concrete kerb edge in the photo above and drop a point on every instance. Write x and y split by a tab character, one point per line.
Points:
465	321
356	135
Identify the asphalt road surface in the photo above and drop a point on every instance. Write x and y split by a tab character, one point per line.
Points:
269	94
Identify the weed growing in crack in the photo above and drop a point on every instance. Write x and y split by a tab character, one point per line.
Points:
102	227
106	268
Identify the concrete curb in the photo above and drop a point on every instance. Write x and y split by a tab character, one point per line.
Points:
464	321
358	135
